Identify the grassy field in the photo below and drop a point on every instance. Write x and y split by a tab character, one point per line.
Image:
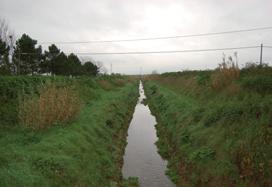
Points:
87	150
214	132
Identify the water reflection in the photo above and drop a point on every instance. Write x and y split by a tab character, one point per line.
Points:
141	158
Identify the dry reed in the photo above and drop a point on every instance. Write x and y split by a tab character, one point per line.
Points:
53	105
225	75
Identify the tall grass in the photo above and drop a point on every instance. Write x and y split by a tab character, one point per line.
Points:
53	105
209	138
225	75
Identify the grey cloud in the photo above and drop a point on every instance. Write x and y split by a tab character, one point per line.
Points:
67	20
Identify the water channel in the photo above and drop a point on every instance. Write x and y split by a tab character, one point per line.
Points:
141	158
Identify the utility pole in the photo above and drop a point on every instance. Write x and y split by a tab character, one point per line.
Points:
140	73
111	68
261	55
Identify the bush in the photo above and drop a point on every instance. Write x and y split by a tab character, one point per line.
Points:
53	105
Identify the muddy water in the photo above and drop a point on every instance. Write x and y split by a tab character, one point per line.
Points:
141	158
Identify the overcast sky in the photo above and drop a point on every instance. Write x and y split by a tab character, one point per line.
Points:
83	20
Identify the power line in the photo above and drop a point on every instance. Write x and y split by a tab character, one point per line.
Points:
161	52
266	46
172	51
161	38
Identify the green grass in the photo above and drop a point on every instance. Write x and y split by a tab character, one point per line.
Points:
211	137
86	152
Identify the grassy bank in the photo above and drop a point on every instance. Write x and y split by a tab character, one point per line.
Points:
214	135
86	151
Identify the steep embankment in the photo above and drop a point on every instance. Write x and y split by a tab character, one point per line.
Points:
87	151
214	137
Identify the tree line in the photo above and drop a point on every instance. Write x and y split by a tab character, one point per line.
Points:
25	57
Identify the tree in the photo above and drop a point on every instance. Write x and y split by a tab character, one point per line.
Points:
74	66
50	57
56	62
60	64
4	58
5	33
90	69
101	68
6	47
26	56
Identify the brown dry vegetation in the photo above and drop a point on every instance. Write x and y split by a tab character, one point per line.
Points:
53	105
105	84
225	75
195	83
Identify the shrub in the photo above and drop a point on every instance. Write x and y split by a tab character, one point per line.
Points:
53	105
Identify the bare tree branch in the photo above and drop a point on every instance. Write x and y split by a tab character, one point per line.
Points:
6	34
